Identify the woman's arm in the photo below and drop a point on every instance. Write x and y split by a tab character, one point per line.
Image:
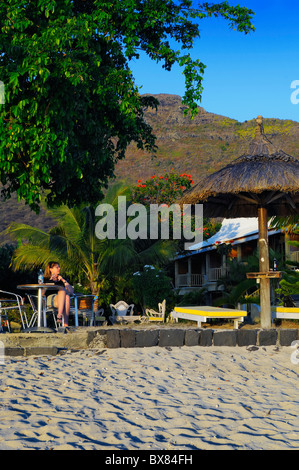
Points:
69	289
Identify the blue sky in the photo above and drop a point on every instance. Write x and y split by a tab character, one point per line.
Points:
246	75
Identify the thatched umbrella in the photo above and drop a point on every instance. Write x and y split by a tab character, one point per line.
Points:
263	183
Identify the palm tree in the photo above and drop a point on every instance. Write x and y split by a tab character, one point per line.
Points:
289	284
286	224
81	254
237	288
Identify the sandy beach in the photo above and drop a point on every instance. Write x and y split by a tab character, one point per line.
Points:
151	399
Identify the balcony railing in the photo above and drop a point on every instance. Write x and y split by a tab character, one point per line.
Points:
197	280
294	256
193	280
215	273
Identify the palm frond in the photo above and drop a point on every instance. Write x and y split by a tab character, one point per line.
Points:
116	190
72	220
26	232
26	257
237	294
286	224
117	256
158	253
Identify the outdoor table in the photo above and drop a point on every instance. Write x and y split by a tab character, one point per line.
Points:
41	316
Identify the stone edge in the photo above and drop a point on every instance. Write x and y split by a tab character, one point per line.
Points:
168	337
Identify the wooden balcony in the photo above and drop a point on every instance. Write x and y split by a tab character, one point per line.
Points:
294	256
198	280
190	280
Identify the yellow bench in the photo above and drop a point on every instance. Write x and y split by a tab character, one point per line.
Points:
203	313
291	313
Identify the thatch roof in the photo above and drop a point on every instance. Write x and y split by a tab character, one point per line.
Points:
266	177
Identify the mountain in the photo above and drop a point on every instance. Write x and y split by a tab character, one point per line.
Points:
14	211
197	147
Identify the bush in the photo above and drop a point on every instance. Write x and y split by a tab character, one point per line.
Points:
197	297
150	287
9	279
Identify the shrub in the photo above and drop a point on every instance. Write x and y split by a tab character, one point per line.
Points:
150	287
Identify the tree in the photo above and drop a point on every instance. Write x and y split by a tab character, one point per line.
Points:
168	189
73	243
71	103
289	284
237	289
151	286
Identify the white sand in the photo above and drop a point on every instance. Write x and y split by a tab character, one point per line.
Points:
152	398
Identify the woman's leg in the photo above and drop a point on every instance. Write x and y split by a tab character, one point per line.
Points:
67	309
62	302
59	303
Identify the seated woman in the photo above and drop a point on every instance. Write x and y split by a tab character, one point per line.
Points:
61	299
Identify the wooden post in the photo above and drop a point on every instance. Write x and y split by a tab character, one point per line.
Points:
264	267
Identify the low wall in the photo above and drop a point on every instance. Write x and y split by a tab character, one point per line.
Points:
130	338
114	337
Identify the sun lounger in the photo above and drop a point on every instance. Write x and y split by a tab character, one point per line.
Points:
290	313
203	313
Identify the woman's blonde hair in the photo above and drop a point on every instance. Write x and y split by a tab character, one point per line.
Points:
51	264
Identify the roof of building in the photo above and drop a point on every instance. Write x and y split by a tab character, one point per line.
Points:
234	231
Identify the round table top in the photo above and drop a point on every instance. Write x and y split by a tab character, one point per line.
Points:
38	286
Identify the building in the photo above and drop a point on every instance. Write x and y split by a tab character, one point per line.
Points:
205	263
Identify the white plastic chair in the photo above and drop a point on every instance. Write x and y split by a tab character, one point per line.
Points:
122	309
152	315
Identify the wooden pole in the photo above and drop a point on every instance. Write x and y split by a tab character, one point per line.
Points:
264	267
